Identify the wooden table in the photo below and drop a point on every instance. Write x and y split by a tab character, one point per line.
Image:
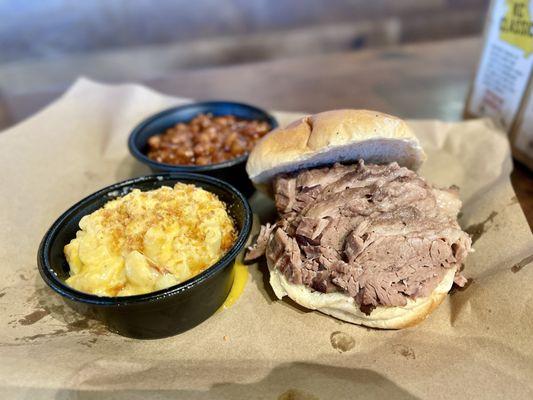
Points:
428	80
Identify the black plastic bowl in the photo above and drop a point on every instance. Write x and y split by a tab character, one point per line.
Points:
232	171
157	314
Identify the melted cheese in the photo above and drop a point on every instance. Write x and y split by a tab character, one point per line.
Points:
146	241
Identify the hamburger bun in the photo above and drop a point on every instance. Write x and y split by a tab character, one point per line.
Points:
343	136
334	136
343	307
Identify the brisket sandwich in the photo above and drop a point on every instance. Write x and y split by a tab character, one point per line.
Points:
360	235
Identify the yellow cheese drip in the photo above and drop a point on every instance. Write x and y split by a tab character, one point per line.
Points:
240	277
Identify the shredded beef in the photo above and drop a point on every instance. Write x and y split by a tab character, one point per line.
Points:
258	249
379	233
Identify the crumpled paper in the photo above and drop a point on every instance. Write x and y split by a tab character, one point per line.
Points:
477	345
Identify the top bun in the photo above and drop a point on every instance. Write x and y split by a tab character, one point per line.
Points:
334	136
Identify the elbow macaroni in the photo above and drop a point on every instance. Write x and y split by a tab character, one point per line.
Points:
147	241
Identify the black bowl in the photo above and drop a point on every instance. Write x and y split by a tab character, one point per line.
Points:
158	314
232	171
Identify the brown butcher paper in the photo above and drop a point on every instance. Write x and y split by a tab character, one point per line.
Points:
477	345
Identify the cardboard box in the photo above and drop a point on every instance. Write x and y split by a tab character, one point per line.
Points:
505	72
522	131
506	63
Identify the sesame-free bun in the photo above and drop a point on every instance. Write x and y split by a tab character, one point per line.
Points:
342	136
342	306
334	136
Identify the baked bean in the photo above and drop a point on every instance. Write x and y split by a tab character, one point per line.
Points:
206	140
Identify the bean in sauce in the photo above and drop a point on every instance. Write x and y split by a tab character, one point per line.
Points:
206	139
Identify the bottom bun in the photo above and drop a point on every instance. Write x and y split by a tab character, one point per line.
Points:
342	306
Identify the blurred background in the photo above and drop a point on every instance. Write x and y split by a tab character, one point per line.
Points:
46	44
